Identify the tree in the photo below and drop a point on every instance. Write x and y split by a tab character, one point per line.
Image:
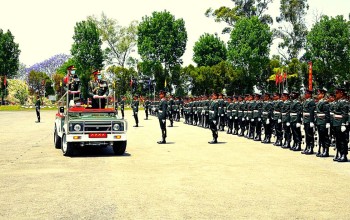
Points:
162	38
18	91
39	83
120	41
50	65
248	51
328	46
86	51
242	9
120	79
209	50
9	59
293	35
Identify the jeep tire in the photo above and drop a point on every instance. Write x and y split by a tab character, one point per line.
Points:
67	147
119	147
57	139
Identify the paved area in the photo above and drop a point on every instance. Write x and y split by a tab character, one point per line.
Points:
184	179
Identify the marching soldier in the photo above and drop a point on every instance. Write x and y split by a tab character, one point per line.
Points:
295	121
308	120
162	110
249	116
97	88
135	109
213	118
277	118
341	110
267	111
323	120
285	111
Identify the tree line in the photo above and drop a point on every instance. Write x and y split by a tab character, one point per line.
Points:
242	65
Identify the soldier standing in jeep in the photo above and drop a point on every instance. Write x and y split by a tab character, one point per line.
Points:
98	90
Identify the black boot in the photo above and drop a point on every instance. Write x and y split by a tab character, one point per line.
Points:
294	145
343	158
310	151
325	152
305	151
297	147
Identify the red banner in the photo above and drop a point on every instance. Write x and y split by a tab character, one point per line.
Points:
310	75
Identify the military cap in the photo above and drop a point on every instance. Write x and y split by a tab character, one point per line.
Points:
322	90
285	92
308	91
276	94
295	93
96	72
71	67
162	92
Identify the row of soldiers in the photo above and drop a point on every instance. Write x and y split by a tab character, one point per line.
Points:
325	116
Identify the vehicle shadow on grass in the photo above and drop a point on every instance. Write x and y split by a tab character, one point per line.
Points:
97	152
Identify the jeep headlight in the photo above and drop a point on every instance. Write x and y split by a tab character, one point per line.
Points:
116	127
77	127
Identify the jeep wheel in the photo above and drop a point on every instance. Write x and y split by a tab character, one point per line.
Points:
67	148
56	140
119	147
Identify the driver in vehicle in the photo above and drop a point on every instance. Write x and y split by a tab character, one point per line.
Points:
98	90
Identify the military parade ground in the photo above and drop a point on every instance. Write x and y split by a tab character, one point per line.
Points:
186	178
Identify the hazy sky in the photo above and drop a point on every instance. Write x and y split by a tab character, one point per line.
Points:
44	28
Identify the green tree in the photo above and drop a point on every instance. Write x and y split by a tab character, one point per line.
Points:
242	9
209	50
39	83
248	50
9	59
328	46
86	51
18	91
120	79
120	41
294	31
162	39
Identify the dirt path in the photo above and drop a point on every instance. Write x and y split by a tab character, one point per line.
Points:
184	179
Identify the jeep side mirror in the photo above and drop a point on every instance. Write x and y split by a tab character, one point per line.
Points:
62	109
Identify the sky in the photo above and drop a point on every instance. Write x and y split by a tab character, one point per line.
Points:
44	28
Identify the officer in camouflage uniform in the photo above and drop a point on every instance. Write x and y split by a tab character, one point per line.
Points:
162	114
285	111
322	119
213	118
98	87
267	114
308	120
341	110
